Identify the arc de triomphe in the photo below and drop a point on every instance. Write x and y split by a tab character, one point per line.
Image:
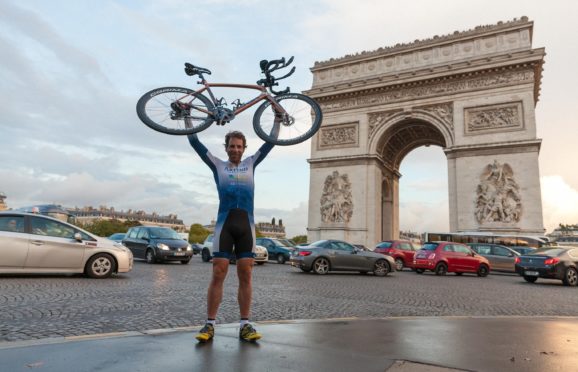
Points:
473	93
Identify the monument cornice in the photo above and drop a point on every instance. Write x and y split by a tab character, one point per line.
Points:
435	41
509	147
352	160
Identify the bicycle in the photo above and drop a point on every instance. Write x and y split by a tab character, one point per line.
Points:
182	111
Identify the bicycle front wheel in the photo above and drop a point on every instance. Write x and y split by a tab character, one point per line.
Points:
300	121
174	110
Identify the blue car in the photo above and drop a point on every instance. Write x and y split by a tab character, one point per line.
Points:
278	249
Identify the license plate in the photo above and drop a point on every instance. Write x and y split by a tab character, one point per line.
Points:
531	273
179	253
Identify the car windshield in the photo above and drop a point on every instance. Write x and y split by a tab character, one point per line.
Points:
286	243
429	246
282	243
163	233
319	243
384	244
552	252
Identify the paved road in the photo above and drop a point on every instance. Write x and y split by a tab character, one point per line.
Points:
173	295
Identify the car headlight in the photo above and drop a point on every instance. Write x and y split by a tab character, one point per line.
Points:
163	246
189	248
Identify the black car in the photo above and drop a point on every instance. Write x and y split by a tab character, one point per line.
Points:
550	262
157	244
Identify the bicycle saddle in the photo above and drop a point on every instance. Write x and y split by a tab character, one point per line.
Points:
195	70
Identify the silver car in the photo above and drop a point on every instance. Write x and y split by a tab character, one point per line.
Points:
33	243
501	258
336	255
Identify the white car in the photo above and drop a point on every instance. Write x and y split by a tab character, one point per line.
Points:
261	254
34	243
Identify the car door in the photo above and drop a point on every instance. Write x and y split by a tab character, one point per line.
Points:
14	242
129	239
347	257
52	246
141	242
502	259
468	262
407	251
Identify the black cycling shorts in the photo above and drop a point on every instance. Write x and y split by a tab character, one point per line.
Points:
235	237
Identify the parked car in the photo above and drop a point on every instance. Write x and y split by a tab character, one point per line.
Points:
550	262
261	254
501	257
444	257
34	243
336	255
402	252
117	237
197	248
157	244
523	250
278	249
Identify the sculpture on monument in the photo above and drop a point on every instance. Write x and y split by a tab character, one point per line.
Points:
498	195
336	201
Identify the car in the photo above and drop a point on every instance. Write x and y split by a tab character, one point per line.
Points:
34	243
324	256
551	263
523	250
501	257
449	257
261	254
157	244
117	237
402	252
278	249
197	248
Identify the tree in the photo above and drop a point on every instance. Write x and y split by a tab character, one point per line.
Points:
105	228
299	239
197	233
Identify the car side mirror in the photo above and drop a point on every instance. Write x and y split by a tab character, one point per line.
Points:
355	250
78	237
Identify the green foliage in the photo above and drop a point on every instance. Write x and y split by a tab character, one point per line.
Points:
197	233
299	239
258	234
108	227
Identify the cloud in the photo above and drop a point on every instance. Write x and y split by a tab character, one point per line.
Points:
559	202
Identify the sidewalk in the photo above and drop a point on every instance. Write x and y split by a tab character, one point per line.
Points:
392	344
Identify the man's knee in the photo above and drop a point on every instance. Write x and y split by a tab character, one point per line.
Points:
220	268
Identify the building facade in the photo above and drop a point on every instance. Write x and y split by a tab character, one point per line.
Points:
89	214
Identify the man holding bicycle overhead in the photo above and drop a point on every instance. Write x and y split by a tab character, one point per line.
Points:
235	226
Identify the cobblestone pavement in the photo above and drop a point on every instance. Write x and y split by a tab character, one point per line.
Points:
173	295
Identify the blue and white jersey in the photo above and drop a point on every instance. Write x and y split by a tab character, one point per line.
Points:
235	183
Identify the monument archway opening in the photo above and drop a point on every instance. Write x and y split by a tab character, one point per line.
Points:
473	93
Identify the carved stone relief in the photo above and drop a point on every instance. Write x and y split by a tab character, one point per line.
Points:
377	119
342	135
444	111
498	195
494	118
336	200
431	89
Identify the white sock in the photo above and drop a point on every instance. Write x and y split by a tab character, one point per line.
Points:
211	322
244	321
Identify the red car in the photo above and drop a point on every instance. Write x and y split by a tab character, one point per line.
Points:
402	252
444	257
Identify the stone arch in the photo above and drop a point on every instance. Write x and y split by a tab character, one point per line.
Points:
472	93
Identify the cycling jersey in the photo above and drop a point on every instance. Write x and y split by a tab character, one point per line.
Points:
235	185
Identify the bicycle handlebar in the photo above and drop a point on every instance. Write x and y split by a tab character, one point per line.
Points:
267	67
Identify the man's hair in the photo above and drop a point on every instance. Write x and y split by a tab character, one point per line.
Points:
235	134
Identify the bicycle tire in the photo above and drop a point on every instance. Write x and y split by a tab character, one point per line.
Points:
303	120
155	111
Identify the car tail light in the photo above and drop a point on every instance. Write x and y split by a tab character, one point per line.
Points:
304	253
517	260
431	256
552	261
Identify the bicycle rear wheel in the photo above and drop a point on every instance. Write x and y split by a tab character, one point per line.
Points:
301	120
174	110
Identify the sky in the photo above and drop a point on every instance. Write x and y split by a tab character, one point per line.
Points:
71	73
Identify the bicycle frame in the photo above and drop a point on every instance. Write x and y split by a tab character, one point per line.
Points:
263	96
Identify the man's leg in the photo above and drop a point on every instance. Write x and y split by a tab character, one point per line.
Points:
245	293
215	291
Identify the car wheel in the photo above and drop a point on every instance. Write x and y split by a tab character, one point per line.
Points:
281	258
398	264
205	255
185	262
150	256
570	277
483	271
321	266
419	271
100	266
381	268
530	279
441	269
